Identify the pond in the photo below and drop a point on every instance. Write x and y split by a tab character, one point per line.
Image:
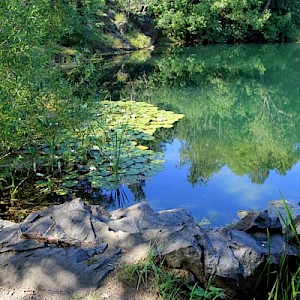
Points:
238	146
235	143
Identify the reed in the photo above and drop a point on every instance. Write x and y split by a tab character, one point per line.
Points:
286	285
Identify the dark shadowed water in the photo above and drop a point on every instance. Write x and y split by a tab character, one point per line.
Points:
238	146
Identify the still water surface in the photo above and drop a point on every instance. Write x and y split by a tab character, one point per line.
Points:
238	146
224	193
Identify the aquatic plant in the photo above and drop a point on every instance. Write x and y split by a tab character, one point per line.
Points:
106	151
122	128
282	281
142	116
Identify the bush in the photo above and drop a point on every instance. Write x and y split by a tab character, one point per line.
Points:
227	21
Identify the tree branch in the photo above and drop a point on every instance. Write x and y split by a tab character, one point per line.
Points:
267	4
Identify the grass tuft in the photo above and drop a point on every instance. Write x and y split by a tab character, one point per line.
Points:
152	271
284	282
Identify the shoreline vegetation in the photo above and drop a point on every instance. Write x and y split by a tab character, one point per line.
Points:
53	74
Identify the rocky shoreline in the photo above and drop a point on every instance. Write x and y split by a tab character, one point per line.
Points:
74	246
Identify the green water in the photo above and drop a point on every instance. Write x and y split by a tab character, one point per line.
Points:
237	148
238	145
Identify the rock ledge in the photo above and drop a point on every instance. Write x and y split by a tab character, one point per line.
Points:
73	246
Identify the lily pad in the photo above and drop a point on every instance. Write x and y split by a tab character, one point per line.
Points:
139	116
98	183
105	173
142	147
70	176
141	159
113	153
133	171
70	183
61	192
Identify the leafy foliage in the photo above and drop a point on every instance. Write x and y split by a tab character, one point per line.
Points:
219	21
106	151
50	134
34	96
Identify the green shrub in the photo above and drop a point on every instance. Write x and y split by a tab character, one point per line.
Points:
139	40
227	21
120	18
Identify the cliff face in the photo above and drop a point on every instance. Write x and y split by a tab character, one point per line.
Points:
125	31
107	29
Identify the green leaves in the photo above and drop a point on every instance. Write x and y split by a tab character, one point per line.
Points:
142	118
107	150
211	293
226	21
114	142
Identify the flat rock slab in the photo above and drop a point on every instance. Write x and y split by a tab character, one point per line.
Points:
73	246
56	249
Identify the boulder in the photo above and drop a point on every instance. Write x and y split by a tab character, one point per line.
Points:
259	222
56	249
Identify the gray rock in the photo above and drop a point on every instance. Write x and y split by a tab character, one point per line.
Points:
52	268
297	224
4	223
277	208
56	248
72	246
259	222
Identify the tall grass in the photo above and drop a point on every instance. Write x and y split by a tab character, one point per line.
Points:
287	276
152	271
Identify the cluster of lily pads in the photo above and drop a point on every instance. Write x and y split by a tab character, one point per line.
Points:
141	116
111	149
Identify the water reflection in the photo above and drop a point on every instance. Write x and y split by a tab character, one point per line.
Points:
125	196
238	145
223	194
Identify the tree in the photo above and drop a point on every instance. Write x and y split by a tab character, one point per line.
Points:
219	21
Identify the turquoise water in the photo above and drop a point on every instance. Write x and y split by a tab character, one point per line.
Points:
238	146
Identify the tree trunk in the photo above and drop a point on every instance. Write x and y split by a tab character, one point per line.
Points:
267	4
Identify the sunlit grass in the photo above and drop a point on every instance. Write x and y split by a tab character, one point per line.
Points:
286	285
151	271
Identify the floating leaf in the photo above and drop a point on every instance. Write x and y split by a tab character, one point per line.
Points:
133	171
97	183
111	186
61	192
139	116
113	152
70	176
70	183
141	159
105	173
142	147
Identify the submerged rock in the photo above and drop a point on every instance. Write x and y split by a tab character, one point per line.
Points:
72	246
